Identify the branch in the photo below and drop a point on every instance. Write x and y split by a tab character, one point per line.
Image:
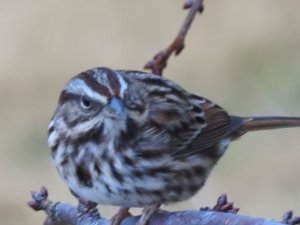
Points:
159	61
65	214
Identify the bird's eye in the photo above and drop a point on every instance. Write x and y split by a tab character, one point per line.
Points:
85	102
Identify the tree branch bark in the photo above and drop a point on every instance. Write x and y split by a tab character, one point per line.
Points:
66	214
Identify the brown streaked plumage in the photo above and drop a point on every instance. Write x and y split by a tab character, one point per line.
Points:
135	139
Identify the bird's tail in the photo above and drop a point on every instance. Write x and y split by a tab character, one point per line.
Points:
241	125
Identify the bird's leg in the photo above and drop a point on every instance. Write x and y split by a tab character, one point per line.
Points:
120	216
147	213
87	207
83	205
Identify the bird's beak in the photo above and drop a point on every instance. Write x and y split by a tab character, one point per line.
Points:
116	106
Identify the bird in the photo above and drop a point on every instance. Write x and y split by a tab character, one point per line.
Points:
136	139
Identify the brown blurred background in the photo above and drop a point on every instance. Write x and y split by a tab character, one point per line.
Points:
244	55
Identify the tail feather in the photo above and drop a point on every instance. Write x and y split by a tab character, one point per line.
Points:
241	125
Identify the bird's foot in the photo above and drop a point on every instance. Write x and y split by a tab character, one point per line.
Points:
147	213
84	206
122	214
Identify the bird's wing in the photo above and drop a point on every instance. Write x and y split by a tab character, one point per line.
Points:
176	121
217	128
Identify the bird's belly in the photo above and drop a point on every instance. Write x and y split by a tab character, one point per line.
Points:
136	195
141	183
137	189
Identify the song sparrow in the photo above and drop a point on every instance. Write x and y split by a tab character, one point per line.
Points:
135	139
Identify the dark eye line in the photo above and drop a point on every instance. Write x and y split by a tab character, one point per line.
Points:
88	103
71	97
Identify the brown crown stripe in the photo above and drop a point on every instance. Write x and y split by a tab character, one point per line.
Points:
67	96
113	80
90	81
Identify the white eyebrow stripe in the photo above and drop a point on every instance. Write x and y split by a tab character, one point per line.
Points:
78	86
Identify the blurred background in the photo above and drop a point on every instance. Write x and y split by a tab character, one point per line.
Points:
244	55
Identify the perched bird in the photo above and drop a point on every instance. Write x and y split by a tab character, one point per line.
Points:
135	139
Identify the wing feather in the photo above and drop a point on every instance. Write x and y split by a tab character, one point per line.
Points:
176	120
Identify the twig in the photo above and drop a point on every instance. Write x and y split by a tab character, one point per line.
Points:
288	218
223	206
159	61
